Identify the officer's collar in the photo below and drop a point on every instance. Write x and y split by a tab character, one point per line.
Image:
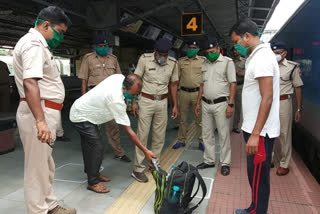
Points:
193	58
284	62
39	35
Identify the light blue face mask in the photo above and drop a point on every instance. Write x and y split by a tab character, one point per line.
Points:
127	95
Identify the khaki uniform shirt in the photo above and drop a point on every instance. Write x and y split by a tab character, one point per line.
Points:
217	76
155	77
287	85
190	71
33	59
95	70
4	74
240	67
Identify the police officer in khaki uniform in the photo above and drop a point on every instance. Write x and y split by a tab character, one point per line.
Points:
95	67
42	94
290	82
239	63
157	70
217	92
189	84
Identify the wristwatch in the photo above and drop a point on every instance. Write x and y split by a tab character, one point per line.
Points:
230	105
299	109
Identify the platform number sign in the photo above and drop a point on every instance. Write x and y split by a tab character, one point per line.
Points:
191	24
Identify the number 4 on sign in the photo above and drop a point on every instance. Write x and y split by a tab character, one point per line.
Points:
192	24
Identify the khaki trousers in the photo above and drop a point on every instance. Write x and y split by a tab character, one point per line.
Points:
38	162
238	107
214	116
285	137
113	135
187	100
154	111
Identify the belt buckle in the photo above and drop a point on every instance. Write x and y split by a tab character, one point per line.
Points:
157	97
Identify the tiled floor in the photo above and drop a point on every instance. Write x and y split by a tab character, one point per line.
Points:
297	192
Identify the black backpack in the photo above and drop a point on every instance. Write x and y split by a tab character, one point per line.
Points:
183	176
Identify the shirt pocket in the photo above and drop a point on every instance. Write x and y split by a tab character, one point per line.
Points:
95	70
151	73
110	69
165	73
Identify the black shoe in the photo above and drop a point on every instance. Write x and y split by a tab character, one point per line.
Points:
123	158
63	138
225	170
272	165
204	166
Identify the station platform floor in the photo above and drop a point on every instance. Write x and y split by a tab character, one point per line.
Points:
297	192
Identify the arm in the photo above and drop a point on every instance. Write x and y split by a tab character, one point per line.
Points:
134	138
84	86
174	89
197	109
298	92
32	93
266	91
233	88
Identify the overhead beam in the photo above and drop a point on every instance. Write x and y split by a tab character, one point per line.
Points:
273	7
256	19
45	3
260	8
249	8
211	21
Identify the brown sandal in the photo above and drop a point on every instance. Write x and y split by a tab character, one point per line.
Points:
98	188
104	178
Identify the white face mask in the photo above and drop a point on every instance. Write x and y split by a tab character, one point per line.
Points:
278	57
161	60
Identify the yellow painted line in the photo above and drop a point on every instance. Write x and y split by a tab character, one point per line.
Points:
132	200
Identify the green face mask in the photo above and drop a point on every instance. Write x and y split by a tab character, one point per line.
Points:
56	39
243	51
192	52
213	56
102	51
127	95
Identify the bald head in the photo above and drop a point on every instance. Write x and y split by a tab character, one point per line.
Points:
131	80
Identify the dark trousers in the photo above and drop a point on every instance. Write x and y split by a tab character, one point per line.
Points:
258	170
92	150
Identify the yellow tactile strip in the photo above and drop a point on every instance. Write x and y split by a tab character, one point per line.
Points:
132	200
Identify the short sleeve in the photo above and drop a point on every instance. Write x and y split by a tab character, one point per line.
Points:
175	73
203	73
296	79
264	67
84	69
33	61
231	72
118	110
140	67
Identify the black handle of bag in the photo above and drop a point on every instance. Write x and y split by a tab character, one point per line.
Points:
204	192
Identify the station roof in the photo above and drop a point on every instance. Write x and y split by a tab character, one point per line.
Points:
87	16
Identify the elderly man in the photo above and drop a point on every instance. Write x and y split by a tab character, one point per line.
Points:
217	92
157	70
104	103
290	82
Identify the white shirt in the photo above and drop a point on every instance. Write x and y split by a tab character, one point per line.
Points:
103	103
261	63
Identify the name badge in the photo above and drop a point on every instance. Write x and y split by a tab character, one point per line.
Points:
152	69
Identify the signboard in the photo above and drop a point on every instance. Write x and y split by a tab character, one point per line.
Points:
191	24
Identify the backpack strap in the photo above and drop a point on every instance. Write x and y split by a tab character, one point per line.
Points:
204	192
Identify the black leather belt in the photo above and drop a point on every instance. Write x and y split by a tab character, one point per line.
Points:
189	89
215	101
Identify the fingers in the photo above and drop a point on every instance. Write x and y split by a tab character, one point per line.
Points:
251	150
